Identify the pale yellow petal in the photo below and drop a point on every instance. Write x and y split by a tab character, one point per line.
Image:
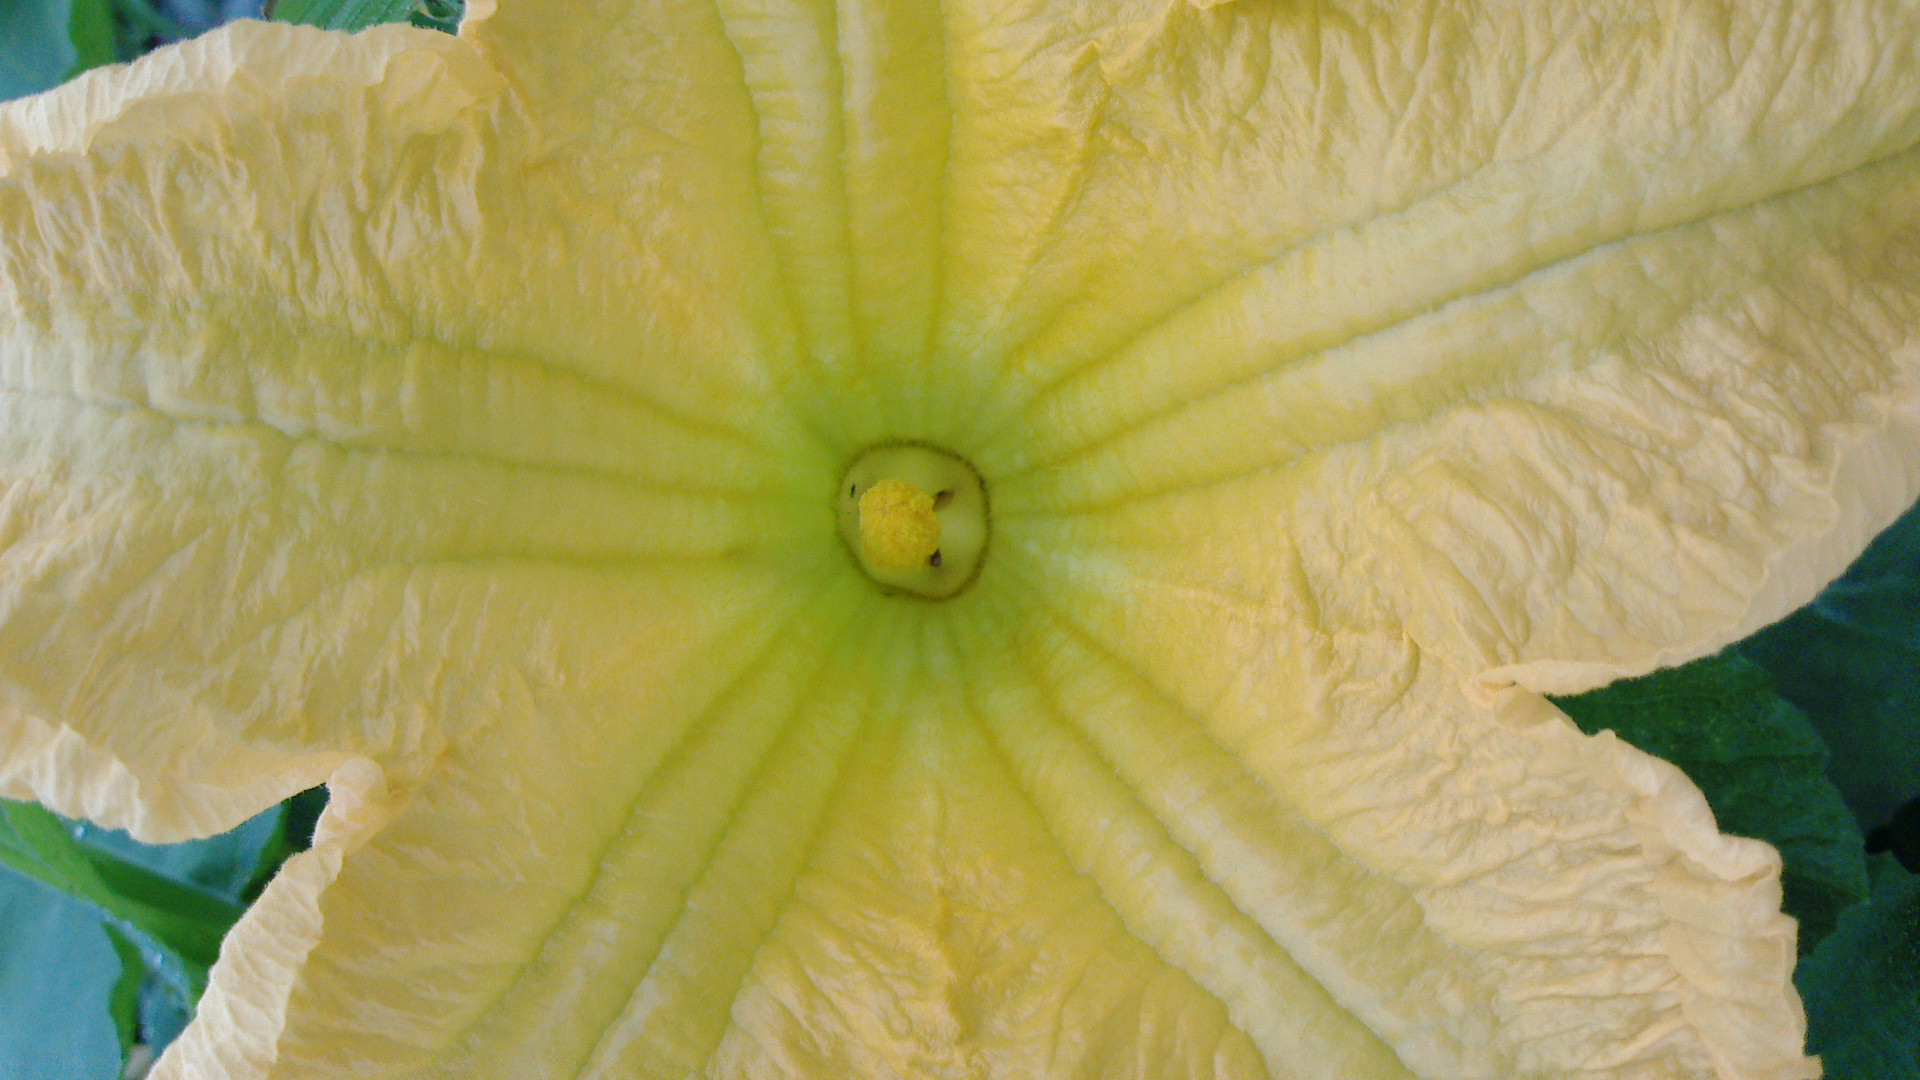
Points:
1573	339
837	119
283	347
1062	831
638	117
942	932
1344	823
1208	161
652	732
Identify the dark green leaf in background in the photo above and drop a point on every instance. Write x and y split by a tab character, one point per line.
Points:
225	865
228	866
1851	661
99	927
185	921
123	1001
92	30
45	42
1759	763
342	14
60	981
36	51
148	22
1862	985
442	15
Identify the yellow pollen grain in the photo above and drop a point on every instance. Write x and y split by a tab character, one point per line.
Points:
898	529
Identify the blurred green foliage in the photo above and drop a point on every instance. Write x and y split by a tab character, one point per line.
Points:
105	943
1862	986
69	990
441	15
1760	765
342	14
1851	661
46	42
36	46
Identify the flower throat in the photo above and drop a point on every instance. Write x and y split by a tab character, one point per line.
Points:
914	518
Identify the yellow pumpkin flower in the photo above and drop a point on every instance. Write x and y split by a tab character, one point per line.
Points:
1299	391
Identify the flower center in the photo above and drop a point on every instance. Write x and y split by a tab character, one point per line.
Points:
915	518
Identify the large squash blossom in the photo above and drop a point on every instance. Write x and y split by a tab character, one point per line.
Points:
901	539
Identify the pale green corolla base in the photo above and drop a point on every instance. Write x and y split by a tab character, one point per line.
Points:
460	423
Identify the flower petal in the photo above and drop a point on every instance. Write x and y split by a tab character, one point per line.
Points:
873	841
1347	820
1238	158
1062	240
283	353
641	111
484	918
838	115
1242	662
1599	354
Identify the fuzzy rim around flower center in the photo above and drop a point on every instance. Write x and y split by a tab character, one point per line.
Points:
914	518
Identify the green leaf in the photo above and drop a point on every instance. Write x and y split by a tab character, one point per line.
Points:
123	1001
34	842
59	974
91	27
441	15
1851	662
185	920
158	910
343	14
1862	985
144	17
36	50
233	866
1759	763
294	822
224	865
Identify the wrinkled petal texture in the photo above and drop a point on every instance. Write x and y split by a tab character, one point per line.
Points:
254	489
458	420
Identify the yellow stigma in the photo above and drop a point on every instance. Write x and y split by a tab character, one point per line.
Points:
898	529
